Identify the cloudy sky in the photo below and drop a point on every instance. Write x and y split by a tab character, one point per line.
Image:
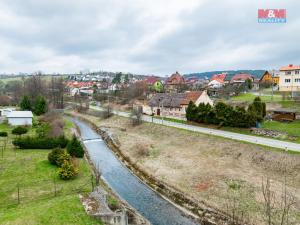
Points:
145	36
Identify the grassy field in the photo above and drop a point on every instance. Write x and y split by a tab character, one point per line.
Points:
43	197
249	97
292	128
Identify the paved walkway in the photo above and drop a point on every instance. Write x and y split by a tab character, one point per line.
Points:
226	134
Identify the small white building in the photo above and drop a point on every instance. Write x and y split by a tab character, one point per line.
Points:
17	118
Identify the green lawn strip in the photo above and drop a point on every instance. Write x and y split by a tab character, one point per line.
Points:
38	183
249	97
292	128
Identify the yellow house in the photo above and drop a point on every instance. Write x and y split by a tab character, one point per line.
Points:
267	78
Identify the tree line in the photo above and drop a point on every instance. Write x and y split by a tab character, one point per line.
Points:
226	115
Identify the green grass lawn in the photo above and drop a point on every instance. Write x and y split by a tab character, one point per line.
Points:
249	97
37	180
292	128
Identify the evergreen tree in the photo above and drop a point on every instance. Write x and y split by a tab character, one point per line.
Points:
117	78
25	103
75	148
40	106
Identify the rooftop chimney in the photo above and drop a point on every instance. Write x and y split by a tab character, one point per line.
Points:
290	65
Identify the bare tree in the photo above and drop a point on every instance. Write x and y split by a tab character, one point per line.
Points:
269	199
136	115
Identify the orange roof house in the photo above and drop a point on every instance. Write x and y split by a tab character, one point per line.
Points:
219	77
174	82
241	78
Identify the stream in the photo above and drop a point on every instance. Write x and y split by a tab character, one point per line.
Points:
140	196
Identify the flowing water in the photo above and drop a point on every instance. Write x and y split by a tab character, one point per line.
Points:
152	206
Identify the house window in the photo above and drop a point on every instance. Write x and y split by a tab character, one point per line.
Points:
297	80
287	80
297	72
179	109
287	72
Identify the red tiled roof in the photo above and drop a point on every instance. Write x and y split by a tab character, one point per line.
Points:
191	96
151	80
175	78
241	76
219	77
290	67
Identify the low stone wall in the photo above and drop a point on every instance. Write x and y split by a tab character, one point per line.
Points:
200	211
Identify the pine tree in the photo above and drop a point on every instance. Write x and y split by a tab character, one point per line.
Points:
25	103
75	148
40	106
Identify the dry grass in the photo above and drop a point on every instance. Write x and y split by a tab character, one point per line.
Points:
205	166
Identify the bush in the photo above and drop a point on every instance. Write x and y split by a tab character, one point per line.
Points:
40	106
3	134
226	115
54	155
63	157
41	143
67	171
19	130
75	148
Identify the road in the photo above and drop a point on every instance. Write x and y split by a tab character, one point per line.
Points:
226	134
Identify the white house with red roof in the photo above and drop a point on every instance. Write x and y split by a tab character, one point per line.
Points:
289	78
217	80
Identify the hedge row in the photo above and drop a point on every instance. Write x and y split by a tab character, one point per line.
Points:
41	143
226	115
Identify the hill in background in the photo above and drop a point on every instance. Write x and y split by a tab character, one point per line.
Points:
208	75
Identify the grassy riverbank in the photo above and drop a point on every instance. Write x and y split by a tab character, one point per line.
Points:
210	169
32	193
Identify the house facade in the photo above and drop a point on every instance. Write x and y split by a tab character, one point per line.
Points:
289	78
174	83
174	105
268	78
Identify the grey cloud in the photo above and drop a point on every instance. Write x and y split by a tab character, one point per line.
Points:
130	36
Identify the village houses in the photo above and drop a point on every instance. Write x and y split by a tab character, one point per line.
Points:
174	105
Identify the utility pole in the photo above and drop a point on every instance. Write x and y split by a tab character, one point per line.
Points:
273	71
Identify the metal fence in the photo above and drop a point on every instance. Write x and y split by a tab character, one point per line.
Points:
28	192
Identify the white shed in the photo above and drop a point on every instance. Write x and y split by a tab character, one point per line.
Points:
16	118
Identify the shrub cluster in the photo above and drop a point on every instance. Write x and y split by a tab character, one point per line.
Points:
19	130
41	143
226	115
3	134
67	171
62	159
75	148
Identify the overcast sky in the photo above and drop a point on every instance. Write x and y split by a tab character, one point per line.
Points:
145	36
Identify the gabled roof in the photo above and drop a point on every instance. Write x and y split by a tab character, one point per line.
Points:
175	78
289	67
219	77
174	100
151	80
241	77
20	114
